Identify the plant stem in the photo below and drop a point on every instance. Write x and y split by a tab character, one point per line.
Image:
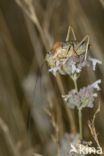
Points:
75	84
80	123
79	109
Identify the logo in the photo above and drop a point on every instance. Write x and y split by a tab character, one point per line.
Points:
85	149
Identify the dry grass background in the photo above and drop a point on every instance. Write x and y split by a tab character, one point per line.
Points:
28	30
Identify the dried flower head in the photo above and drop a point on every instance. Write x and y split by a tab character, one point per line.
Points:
74	65
84	98
94	62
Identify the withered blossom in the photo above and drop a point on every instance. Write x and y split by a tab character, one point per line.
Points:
84	98
94	62
71	65
74	65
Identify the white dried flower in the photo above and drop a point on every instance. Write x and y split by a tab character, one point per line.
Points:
94	62
95	85
84	98
54	70
70	66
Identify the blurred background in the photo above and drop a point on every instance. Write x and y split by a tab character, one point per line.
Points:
31	106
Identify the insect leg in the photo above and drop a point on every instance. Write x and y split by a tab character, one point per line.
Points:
85	39
68	37
87	45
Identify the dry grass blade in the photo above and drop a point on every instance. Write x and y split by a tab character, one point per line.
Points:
9	138
31	13
92	128
102	2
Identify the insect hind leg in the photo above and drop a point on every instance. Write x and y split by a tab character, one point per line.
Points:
85	39
70	31
87	46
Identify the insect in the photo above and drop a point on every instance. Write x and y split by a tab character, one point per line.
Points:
68	48
62	50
